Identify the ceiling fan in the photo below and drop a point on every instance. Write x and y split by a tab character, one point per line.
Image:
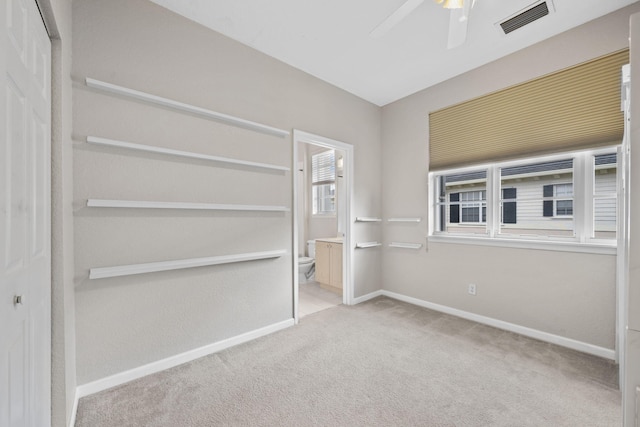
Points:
458	19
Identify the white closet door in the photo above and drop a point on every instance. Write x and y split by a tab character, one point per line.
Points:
25	220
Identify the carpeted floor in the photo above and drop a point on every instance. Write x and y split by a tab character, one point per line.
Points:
380	363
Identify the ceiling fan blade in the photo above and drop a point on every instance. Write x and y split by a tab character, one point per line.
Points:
397	16
458	20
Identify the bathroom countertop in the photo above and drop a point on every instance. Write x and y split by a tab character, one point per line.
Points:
330	239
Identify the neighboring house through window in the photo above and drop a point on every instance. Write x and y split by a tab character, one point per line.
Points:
531	199
562	202
471	209
509	206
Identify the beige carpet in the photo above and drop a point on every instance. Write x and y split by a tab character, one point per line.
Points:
380	363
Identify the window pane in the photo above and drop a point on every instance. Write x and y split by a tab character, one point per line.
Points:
323	167
471	205
604	198
564	207
564	190
536	199
324	199
462	203
470	214
605	218
532	199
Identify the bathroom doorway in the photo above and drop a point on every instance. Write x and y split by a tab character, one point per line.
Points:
322	253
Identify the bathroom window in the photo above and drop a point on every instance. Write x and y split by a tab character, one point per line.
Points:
323	183
565	200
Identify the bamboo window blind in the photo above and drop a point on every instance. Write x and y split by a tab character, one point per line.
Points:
574	108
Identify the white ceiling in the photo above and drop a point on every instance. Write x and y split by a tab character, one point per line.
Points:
330	38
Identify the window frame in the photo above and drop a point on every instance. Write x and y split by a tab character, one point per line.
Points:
318	185
562	198
317	200
583	204
474	204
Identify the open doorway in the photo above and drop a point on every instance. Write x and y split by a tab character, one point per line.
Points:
322	189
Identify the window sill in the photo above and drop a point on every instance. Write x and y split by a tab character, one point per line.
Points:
520	243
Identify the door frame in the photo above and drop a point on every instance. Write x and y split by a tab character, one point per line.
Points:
623	222
344	213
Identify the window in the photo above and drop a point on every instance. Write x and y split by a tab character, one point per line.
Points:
509	206
605	197
323	183
562	204
473	206
466	209
535	192
537	199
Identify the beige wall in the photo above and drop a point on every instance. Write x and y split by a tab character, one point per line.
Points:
123	323
57	16
567	294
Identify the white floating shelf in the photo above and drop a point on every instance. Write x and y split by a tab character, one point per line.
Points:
127	270
404	219
365	245
180	106
139	204
405	245
367	219
151	149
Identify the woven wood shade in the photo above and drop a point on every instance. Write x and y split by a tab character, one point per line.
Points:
578	107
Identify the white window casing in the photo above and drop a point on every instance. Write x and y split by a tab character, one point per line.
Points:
588	186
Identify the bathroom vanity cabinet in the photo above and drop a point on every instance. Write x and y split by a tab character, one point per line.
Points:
329	264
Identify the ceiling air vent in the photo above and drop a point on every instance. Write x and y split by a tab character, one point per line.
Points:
525	17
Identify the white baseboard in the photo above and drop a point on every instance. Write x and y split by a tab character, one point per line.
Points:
161	365
170	362
511	327
367	297
74	409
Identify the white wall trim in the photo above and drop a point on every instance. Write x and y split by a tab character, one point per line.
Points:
519	243
511	327
74	409
367	219
181	106
367	297
95	140
170	362
405	245
348	290
417	219
365	245
146	204
152	267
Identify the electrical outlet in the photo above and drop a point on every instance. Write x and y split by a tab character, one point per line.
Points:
472	289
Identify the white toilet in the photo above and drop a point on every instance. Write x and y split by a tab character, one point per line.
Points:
306	264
